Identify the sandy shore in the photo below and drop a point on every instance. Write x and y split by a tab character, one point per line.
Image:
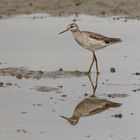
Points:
63	7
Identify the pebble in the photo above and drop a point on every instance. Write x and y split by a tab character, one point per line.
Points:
112	70
137	73
118	115
19	76
64	95
40	72
86	94
1	84
61	69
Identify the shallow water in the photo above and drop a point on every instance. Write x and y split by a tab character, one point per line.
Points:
34	43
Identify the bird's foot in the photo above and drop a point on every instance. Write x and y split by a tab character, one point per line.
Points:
89	73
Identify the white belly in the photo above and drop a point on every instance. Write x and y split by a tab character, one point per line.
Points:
90	44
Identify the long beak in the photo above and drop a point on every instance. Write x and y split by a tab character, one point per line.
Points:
63	31
64	117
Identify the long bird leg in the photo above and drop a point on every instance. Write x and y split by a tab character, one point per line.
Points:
97	70
94	86
89	71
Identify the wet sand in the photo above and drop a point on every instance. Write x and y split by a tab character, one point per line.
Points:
64	7
20	73
42	76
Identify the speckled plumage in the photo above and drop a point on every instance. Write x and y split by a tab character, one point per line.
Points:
93	41
90	106
90	41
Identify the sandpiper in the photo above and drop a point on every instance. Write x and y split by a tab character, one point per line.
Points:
90	106
90	41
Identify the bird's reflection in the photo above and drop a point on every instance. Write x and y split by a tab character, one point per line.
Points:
91	105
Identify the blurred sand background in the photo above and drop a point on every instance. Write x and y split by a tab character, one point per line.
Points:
67	7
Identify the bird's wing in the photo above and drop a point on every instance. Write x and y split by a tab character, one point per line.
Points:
96	36
100	37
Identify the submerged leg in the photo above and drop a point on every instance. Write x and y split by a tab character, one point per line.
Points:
89	71
97	70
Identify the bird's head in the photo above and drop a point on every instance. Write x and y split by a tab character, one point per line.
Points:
73	120
73	27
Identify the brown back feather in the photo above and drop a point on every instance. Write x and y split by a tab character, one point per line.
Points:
107	40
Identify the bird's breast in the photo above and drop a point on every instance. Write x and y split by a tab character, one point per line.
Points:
82	40
89	43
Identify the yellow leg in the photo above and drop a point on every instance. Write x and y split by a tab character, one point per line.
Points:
97	70
89	71
94	86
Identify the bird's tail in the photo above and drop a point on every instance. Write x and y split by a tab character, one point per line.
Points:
115	40
114	104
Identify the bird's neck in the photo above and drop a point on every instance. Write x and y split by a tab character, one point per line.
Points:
75	34
75	118
75	31
76	115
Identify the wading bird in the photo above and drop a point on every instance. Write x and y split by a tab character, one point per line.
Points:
90	41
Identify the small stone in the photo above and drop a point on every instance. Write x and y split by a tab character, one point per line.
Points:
37	104
42	132
19	76
23	112
64	95
118	115
74	20
103	12
22	130
112	70
1	84
9	84
30	4
137	73
86	94
77	4
60	86
134	90
40	72
87	136
84	85
132	113
51	98
114	18
12	74
118	18
61	69
103	83
107	80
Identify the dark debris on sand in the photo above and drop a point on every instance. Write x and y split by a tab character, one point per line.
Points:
117	115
